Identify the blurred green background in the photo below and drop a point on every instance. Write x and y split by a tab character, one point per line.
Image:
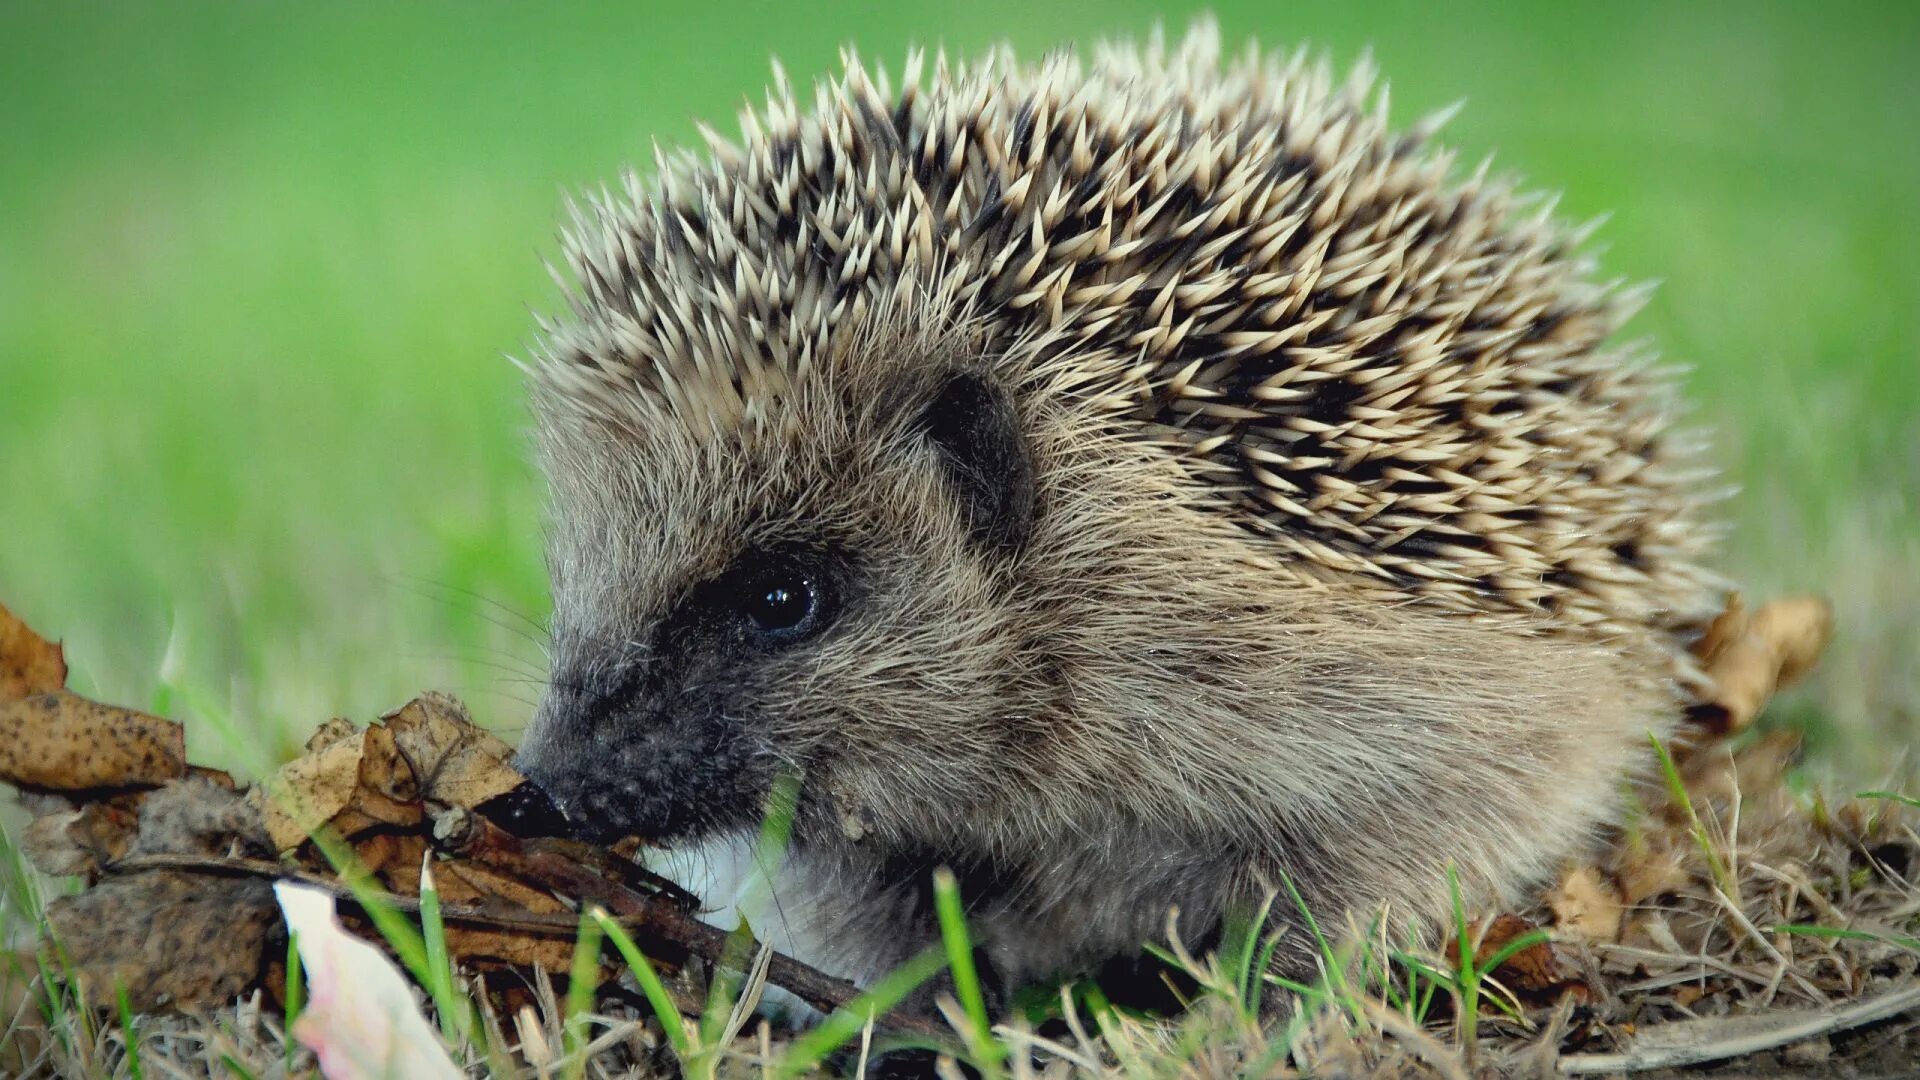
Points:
262	460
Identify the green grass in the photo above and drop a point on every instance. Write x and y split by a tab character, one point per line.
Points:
987	1052
259	265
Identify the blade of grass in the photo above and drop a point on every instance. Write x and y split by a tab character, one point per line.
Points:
1261	965
127	1031
1678	790
1334	976
455	1017
296	994
1108	1021
392	924
966	979
1839	933
655	990
1241	950
1467	986
582	979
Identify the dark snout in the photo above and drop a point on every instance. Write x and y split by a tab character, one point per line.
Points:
617	769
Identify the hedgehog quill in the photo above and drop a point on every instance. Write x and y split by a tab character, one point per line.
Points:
1136	480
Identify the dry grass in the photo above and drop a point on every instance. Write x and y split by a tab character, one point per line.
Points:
1766	912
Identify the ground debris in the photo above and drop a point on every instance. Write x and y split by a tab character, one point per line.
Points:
170	939
1716	921
179	862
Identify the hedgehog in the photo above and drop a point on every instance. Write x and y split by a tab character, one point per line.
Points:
1144	485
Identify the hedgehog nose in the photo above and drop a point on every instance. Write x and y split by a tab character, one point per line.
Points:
541	800
527	811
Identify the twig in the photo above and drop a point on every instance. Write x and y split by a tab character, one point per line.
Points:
660	919
1753	934
1690	1042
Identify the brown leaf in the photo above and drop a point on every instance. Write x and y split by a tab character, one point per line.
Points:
1586	907
29	663
358	780
457	763
473	943
331	732
171	939
1749	656
385	792
394	858
65	742
309	791
1723	776
486	883
1535	972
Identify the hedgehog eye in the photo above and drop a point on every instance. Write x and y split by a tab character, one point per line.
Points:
782	606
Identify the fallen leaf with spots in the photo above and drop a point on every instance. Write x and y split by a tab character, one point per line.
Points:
60	741
29	663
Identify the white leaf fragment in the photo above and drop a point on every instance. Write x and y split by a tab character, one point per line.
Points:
361	1019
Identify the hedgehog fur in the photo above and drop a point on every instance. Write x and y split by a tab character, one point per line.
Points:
1134	483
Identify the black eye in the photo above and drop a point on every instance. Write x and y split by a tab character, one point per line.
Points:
783	605
780	603
772	598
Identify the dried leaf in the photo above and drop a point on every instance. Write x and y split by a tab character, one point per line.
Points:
331	732
309	791
457	763
352	782
1535	972
65	742
29	663
171	938
385	792
394	858
1586	907
471	944
356	781
484	883
1716	775
1749	656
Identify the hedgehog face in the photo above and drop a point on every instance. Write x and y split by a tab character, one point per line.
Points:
731	600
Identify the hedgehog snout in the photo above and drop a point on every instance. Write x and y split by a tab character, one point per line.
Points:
626	765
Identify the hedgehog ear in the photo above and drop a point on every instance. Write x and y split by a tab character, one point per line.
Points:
972	424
